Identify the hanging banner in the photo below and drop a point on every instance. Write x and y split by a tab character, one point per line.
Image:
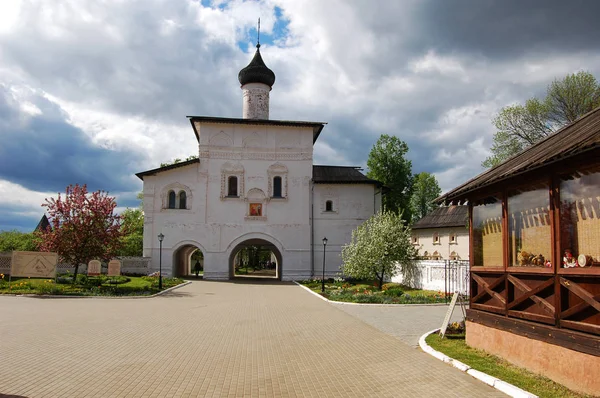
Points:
33	264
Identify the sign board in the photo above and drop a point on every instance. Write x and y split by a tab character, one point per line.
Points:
33	264
449	314
94	268
114	268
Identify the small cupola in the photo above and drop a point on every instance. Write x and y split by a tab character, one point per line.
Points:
256	80
257	71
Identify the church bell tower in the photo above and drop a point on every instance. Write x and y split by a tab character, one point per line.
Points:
256	80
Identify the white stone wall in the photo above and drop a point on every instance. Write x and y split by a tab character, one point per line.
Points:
255	101
216	224
425	241
352	205
431	275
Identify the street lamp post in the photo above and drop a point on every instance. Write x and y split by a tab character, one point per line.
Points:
323	278
160	239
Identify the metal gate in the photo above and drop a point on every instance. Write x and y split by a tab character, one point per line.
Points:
456	278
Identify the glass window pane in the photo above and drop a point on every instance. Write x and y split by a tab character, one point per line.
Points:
182	200
580	219
232	188
529	232
487	233
171	200
329	205
277	187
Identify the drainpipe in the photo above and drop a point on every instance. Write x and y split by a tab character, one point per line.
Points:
312	229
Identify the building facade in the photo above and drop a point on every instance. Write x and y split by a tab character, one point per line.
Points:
443	234
535	256
254	183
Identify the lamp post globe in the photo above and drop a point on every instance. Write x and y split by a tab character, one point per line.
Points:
160	240
323	276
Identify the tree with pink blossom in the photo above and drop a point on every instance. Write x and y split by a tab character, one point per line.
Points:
84	226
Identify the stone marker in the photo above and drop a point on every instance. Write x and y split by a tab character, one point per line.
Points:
94	268
114	268
33	264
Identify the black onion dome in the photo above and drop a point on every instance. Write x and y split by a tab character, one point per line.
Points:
257	71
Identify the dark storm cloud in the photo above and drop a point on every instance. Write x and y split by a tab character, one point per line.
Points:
11	219
508	28
45	153
158	63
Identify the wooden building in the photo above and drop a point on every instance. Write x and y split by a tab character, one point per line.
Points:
534	225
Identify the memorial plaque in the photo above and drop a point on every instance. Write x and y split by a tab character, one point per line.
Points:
33	264
114	268
94	268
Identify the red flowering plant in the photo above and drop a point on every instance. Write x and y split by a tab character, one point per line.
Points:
83	226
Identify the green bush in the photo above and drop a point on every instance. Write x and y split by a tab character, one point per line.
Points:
393	292
117	280
50	288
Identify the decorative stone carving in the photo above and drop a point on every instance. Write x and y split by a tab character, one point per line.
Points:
278	170
229	169
257	201
221	139
254	140
176	187
274	156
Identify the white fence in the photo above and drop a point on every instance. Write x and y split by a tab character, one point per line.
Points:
129	265
441	275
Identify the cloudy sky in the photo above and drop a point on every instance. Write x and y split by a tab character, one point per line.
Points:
95	91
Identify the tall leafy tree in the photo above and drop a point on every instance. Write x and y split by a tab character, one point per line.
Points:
425	190
519	126
379	249
387	163
15	240
84	226
132	227
572	97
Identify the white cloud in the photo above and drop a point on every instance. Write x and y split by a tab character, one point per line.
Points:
127	73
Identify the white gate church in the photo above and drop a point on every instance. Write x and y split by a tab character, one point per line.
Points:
254	183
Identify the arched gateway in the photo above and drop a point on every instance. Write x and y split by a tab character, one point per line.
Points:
185	258
255	256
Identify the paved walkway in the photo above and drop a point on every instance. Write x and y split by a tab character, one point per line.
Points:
405	322
215	339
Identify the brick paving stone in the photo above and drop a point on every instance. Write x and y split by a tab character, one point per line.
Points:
212	339
405	322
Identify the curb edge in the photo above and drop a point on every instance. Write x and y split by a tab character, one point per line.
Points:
498	384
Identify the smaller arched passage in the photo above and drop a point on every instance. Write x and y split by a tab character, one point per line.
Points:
255	258
185	260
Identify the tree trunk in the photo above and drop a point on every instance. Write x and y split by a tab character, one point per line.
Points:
75	273
381	278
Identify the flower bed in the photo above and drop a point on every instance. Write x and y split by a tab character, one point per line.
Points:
368	292
87	286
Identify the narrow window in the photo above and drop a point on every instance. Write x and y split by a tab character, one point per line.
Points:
436	238
277	187
233	186
182	200
329	205
171	199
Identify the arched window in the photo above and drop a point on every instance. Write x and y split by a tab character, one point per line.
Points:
172	199
329	205
182	200
277	187
232	188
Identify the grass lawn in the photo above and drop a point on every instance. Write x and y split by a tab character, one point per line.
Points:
368	292
543	387
87	286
